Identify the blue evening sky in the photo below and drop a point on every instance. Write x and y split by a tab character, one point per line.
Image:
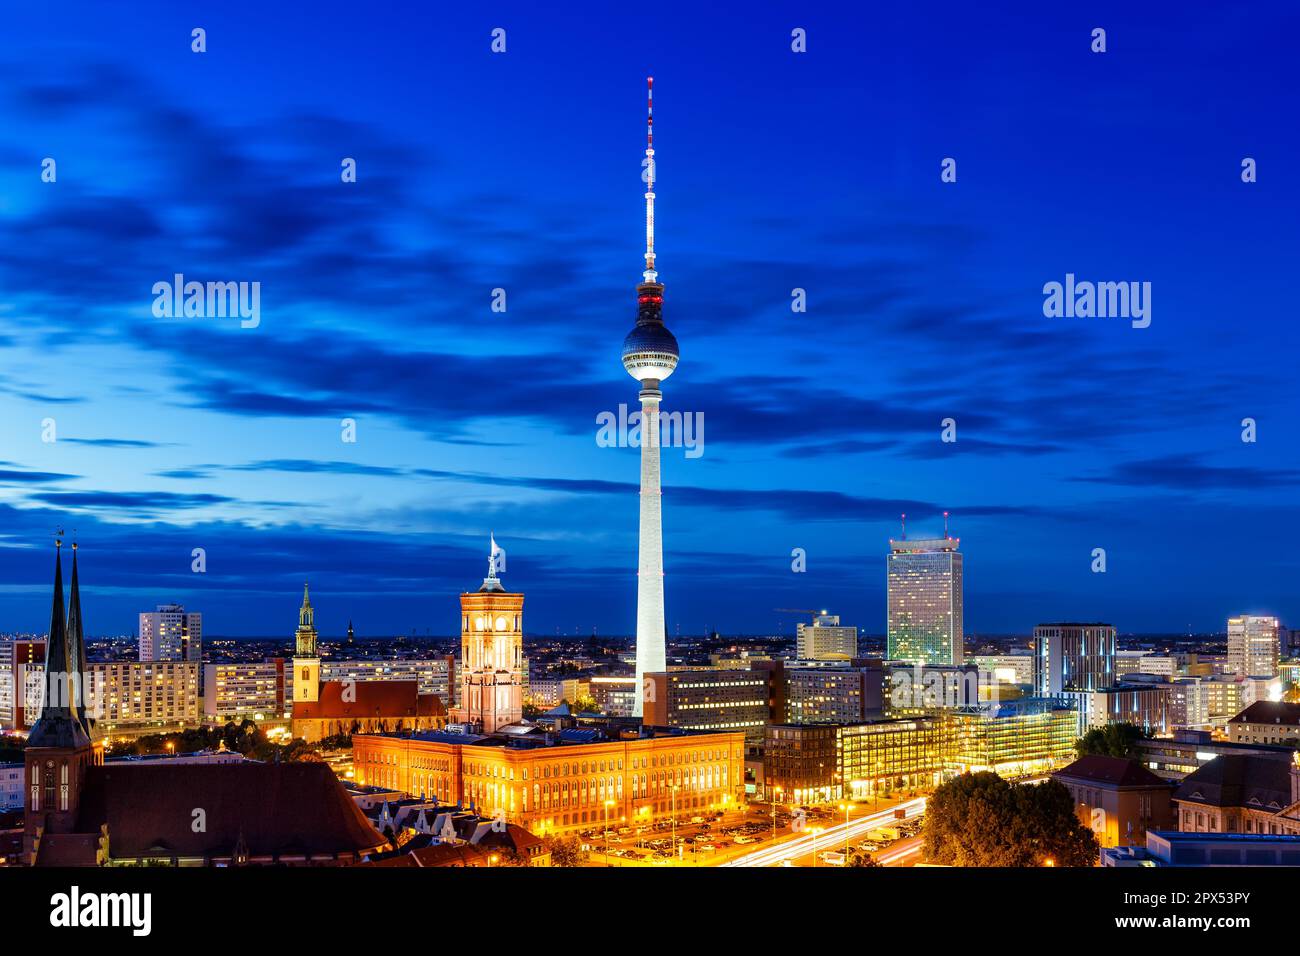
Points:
521	171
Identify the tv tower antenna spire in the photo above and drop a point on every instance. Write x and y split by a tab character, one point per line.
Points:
650	274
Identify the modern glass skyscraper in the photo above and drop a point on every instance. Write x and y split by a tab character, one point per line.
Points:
925	601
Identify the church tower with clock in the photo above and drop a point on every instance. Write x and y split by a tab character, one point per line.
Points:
491	652
306	659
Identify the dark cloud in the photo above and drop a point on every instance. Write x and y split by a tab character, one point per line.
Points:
1188	473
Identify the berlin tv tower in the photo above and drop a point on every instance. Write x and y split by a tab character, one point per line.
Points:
649	355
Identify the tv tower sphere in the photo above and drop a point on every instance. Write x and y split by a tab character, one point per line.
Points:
650	351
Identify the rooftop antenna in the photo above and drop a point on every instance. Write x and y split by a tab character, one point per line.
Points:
903	518
945	524
650	274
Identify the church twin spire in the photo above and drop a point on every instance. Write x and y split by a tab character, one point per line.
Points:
63	722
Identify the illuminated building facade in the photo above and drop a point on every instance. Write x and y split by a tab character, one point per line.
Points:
560	782
1118	799
714	700
925	601
1073	657
255	691
140	695
801	763
817	763
835	693
879	759
435	675
1275	723
306	659
1253	646
826	640
1145	706
171	633
491	654
1012	739
1006	669
615	696
1241	793
22	667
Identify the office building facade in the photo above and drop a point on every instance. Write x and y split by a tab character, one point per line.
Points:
925	609
825	639
171	633
1077	657
1253	646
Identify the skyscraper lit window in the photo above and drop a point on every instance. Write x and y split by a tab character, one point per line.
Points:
925	601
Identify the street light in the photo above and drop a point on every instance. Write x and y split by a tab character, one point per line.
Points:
814	831
673	791
608	804
845	808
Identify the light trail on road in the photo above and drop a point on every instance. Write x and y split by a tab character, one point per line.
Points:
831	838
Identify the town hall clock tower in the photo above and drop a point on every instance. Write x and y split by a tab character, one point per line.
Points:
491	652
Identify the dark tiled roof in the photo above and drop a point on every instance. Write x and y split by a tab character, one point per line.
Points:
1115	771
278	809
68	849
1269	712
1238	780
395	699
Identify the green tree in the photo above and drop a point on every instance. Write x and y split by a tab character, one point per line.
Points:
1113	740
532	711
565	851
982	820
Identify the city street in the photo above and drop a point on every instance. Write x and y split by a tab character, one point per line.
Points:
801	849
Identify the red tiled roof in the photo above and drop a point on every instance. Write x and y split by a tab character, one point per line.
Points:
394	699
1116	771
285	809
450	854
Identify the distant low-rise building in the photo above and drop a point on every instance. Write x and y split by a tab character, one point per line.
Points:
1241	793
11	786
1173	758
1267	722
1010	669
1172	848
826	640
